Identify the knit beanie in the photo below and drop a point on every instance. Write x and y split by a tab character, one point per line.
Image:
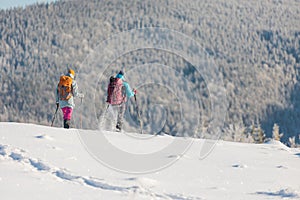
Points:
71	73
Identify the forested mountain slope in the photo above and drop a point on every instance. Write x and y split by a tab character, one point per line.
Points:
255	45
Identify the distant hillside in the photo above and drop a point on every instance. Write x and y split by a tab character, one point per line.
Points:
255	45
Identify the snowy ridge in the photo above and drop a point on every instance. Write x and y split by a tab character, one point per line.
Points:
38	162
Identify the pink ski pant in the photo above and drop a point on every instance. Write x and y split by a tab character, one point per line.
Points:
67	111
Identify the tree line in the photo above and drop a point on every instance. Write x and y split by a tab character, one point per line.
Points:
256	47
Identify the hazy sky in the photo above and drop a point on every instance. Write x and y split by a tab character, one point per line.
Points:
5	4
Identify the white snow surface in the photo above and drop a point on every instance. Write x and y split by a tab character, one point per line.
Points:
38	162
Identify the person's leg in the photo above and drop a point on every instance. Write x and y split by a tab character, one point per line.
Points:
121	111
67	111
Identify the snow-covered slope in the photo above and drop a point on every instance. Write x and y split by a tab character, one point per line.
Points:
39	162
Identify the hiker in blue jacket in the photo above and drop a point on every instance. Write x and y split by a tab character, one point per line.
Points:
129	93
122	107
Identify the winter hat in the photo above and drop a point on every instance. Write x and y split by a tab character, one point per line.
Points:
120	75
71	73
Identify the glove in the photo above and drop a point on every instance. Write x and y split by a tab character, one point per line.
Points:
57	104
134	91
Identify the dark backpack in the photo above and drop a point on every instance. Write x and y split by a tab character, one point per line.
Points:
115	91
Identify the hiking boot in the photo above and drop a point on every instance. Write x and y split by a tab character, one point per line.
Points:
119	127
67	124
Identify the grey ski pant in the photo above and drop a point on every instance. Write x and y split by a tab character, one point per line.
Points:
121	111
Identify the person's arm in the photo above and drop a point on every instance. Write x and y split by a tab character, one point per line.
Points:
129	92
75	90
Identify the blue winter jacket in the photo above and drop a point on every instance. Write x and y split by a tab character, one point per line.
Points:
129	92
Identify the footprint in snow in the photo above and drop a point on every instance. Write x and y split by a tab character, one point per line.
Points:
39	165
239	166
44	136
2	150
281	167
65	175
16	156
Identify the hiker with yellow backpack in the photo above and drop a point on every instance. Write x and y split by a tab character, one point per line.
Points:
66	90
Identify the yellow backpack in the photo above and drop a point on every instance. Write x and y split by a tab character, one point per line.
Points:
65	88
